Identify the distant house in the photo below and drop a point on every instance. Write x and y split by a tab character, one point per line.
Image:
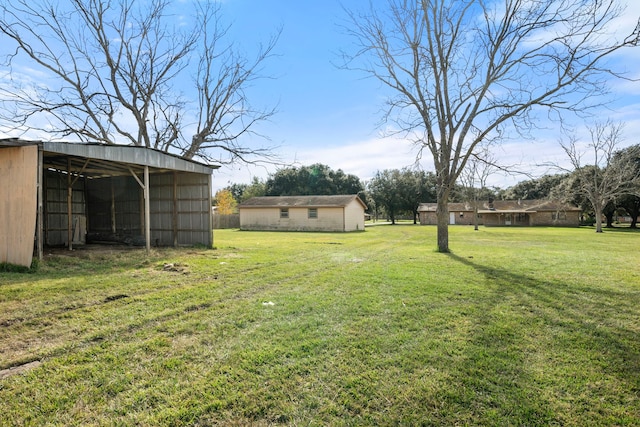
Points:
459	213
507	213
303	213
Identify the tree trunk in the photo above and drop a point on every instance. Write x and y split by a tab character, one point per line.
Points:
475	212
609	216
598	212
442	214
609	211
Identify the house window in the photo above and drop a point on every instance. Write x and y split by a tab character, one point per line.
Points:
284	213
558	216
313	213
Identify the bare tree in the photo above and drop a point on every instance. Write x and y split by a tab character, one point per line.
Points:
608	174
475	175
465	71
120	71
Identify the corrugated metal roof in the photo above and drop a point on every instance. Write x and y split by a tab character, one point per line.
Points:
300	201
104	159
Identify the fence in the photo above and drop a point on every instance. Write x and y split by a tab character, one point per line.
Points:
226	221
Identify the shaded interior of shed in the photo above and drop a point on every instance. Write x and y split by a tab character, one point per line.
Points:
64	194
108	206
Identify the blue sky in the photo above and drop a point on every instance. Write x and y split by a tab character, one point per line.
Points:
325	114
332	116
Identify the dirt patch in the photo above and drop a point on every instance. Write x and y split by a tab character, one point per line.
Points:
115	297
15	370
176	268
198	307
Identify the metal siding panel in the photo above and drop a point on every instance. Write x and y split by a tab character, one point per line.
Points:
128	154
55	206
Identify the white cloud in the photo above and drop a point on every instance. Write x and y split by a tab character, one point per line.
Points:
360	158
364	158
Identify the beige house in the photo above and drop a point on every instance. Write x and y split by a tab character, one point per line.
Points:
507	213
303	213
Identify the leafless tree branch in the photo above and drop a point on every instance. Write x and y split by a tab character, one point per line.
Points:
114	71
600	172
464	71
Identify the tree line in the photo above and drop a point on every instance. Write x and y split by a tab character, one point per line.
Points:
394	193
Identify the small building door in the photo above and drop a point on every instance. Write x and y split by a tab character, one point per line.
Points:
452	217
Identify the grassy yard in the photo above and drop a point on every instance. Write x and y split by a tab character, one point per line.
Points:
527	326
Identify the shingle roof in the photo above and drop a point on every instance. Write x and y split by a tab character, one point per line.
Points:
504	206
526	206
300	201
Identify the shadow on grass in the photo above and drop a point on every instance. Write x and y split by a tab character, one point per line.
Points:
543	352
613	229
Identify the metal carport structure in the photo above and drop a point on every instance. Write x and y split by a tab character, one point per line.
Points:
109	192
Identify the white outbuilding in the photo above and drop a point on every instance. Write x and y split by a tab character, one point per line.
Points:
303	213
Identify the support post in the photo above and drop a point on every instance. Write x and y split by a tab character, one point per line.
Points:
147	205
174	216
147	210
113	207
39	223
210	211
69	206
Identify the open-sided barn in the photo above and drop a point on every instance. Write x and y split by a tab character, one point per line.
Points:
57	193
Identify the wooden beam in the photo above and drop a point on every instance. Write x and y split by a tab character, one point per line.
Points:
69	207
147	210
210	216
147	204
39	224
174	218
113	207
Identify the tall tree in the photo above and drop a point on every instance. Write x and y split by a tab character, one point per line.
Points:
401	191
121	71
464	71
384	190
242	192
316	179
631	202
610	174
539	188
415	187
225	202
474	178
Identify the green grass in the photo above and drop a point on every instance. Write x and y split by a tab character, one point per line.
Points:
527	326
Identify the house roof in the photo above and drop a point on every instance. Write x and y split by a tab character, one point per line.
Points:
526	206
453	207
504	206
301	201
98	160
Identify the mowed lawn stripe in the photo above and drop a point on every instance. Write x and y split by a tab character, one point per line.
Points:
515	327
